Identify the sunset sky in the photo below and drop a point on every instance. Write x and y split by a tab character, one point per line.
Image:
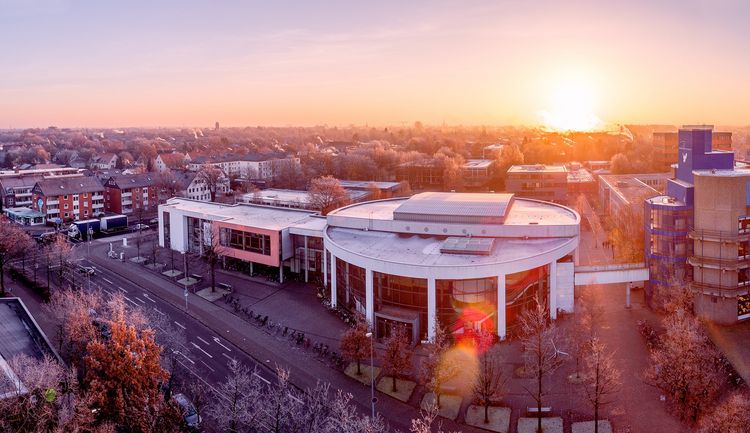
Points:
136	63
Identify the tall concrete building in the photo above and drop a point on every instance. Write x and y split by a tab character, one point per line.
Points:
698	232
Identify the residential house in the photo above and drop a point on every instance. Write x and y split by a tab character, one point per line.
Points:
68	198
249	166
107	161
131	193
190	184
171	161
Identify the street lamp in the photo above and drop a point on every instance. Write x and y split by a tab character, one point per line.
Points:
372	373
184	280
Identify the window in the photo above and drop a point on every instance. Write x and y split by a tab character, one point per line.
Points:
65	197
246	241
66	205
85	194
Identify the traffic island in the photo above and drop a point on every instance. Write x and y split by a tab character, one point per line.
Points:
367	373
549	425
588	427
189	281
211	296
499	418
156	266
172	273
139	260
449	404
404	388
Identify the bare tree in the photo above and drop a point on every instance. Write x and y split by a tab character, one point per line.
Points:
59	255
213	251
355	345
397	355
13	243
603	378
541	357
729	416
168	186
490	380
326	194
236	407
214	179
437	368
684	365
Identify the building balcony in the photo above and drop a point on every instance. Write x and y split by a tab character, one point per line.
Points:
97	205
126	201
718	236
721	290
725	264
52	202
97	196
127	194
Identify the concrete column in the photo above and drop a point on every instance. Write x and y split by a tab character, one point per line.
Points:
251	268
370	301
431	308
281	272
333	280
501	325
553	290
307	262
325	267
627	294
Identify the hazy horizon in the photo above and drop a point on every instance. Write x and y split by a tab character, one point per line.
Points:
92	65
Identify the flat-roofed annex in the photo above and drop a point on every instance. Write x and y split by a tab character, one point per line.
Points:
449	207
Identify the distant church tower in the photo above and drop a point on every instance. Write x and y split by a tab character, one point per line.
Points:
216	126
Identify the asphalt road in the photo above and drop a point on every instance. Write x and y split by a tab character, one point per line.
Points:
204	353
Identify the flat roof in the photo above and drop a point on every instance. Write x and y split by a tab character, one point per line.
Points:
537	168
478	163
251	215
736	172
364	184
23	211
293	195
478	205
415	249
635	187
522	212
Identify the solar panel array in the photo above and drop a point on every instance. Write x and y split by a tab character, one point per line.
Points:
466	245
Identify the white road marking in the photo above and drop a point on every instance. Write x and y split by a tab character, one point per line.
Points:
145	295
140	300
184	356
122	290
204	341
110	282
179	324
227	356
199	348
157	310
207	366
108	292
217	341
262	378
130	300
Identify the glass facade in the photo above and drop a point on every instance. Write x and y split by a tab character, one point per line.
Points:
667	246
462	306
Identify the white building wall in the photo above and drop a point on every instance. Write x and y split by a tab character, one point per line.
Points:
565	286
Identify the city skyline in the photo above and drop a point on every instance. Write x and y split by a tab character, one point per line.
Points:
86	64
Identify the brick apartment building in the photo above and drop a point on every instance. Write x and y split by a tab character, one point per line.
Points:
131	193
68	199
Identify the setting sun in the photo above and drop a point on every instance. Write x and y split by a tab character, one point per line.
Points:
571	108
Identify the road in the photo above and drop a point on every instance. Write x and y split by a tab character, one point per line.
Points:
205	353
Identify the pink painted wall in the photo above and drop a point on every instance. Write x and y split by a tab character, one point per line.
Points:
272	260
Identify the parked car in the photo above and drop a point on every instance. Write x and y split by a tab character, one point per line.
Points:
189	414
86	270
153	221
140	226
